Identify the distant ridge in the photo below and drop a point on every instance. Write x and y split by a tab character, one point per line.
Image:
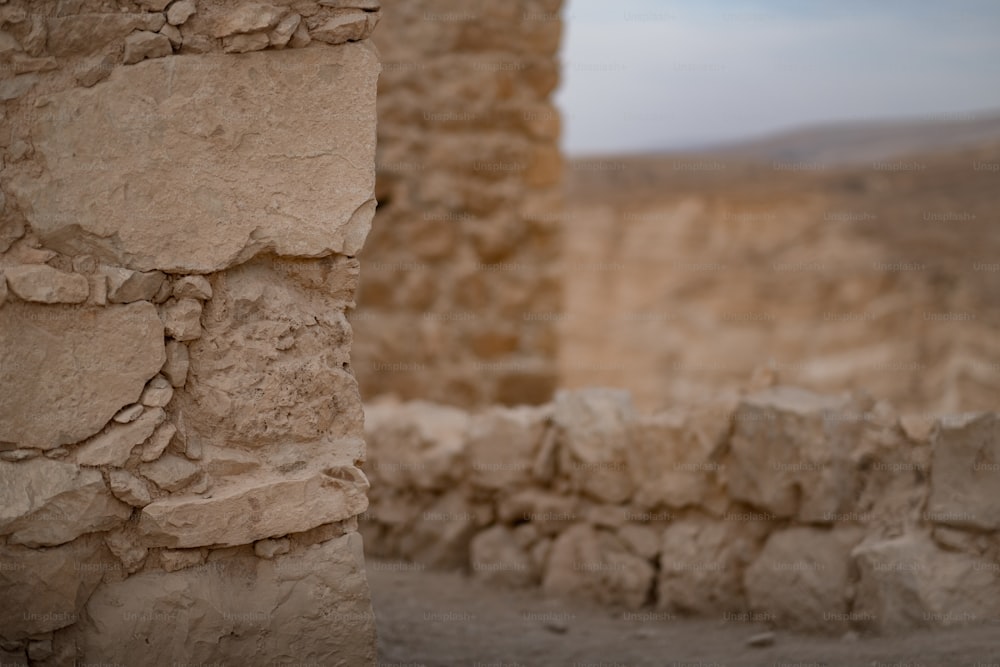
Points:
862	141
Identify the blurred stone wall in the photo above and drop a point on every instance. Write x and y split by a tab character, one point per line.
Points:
460	286
823	513
185	188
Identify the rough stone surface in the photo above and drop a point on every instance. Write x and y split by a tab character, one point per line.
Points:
86	34
135	127
965	486
801	579
347	27
592	427
248	17
43	284
128	488
153	448
94	361
791	454
495	555
171	473
125	286
46	502
257	41
44	590
312	605
181	11
193	287
282	33
502	445
114	446
307	488
906	582
157	393
145	44
177	363
129	413
182	319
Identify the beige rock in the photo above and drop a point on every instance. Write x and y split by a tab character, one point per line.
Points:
501	445
46	502
417	445
348	27
11	89
114	446
175	368
243	610
643	541
801	579
45	589
439	535
368	5
193	287
248	17
300	37
587	563
269	549
126	548
157	393
95	360
917	427
172	560
181	11
128	488
182	319
701	565
95	70
496	557
251	507
173	33
129	413
170	473
965	479
791	454
43	284
907	582
154	5
592	426
257	41
551	513
15	455
332	141
282	33
674	458
157	443
3	288
87	34
125	286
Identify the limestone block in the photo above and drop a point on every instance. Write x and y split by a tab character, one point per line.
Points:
177	363
182	319
128	488
585	562
416	445
790	454
114	446
157	141
311	606
502	444
348	27
171	473
496	557
906	582
257	41
248	17
157	393
45	589
87	34
550	512
193	287
43	284
181	11
965	484
674	458
592	426
47	502
77	367
145	44
701	565
282	33
314	486
125	286
157	443
801	579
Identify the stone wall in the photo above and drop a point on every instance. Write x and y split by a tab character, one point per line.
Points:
459	272
185	188
816	512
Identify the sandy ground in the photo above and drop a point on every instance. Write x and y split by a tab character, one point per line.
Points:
444	619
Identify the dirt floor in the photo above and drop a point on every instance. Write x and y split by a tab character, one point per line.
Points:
444	619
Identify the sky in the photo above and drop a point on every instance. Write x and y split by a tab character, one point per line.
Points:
642	75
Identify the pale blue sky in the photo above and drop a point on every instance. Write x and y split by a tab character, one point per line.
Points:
662	74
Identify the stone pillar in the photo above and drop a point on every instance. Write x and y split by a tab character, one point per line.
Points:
185	187
461	291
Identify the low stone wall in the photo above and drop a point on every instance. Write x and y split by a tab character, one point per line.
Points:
185	188
821	513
